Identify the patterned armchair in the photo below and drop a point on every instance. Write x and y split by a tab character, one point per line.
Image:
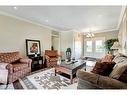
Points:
17	67
51	57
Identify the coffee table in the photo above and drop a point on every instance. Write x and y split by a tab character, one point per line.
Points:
70	69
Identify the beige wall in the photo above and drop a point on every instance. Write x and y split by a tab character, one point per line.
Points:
66	40
13	33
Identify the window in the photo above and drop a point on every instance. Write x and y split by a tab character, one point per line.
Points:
94	47
99	46
88	46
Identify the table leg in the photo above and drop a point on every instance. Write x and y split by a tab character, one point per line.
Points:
71	79
55	71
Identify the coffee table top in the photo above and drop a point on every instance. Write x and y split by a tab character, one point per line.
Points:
72	66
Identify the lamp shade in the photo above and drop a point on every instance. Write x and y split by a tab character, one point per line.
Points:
116	45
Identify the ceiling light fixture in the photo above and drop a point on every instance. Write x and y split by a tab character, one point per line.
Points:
15	8
90	34
46	20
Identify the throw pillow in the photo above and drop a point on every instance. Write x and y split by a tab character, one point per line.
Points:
107	58
119	58
103	68
118	69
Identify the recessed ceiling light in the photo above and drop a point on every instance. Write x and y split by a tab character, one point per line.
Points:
100	16
46	20
15	8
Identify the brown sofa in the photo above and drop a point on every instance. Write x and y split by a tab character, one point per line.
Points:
17	67
89	80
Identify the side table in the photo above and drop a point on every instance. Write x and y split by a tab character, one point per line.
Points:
35	63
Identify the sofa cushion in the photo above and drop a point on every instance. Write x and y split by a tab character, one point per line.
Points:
118	69
119	58
123	77
9	57
110	83
19	66
103	68
107	58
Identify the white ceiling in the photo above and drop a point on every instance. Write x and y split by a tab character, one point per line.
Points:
64	18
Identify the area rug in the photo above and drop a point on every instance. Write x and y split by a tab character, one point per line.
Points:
46	80
7	87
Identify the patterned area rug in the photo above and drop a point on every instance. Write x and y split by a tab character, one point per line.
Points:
9	86
46	80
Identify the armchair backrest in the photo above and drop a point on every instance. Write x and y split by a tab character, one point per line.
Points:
9	57
51	53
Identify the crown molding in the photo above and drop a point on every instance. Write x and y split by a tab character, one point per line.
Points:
26	20
98	31
121	16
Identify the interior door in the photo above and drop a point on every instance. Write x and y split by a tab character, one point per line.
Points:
94	47
55	42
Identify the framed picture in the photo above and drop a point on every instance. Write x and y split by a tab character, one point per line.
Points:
33	47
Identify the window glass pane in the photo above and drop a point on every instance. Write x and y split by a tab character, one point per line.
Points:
88	46
99	46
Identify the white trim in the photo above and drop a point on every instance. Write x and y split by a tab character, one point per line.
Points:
121	16
101	31
55	35
26	20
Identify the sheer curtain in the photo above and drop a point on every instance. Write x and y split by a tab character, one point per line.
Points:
77	45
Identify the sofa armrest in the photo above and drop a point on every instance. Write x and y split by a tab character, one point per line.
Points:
87	76
26	60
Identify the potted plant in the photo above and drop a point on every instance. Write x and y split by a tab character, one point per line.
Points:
108	45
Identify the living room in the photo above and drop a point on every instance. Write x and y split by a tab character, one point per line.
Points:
74	40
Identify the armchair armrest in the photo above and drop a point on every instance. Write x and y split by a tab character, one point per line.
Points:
26	60
3	73
6	66
3	65
47	57
59	56
9	67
